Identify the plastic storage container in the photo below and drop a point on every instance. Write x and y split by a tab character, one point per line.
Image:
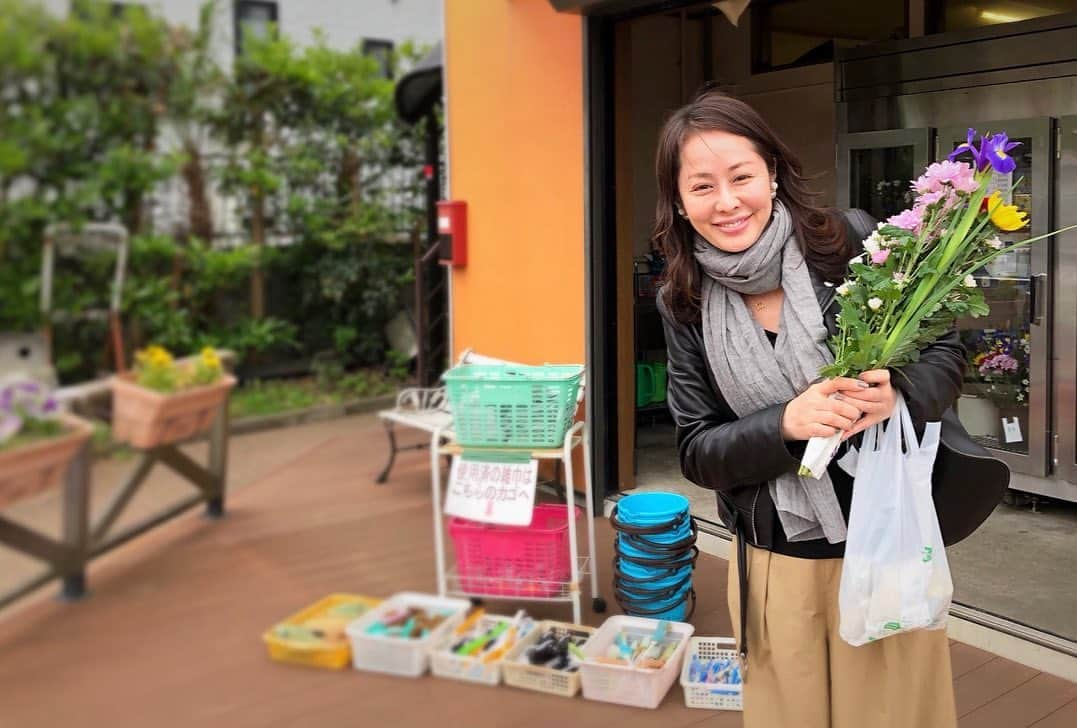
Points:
714	696
521	674
443	663
396	655
511	405
525	561
316	636
627	684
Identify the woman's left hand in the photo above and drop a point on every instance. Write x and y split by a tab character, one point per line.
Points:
877	402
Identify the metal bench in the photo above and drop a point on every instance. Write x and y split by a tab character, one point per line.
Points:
425	409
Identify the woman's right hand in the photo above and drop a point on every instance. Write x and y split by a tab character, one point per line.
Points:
815	413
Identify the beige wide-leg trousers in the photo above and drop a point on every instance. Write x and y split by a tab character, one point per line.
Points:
801	674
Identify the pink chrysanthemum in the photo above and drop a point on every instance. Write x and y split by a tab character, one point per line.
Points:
908	219
956	175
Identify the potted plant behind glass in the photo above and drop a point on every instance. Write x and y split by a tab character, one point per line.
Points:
163	401
37	440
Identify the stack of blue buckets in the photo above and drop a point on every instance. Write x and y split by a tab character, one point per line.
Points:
655	553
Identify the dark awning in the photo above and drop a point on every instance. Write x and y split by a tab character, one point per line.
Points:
731	8
610	7
420	88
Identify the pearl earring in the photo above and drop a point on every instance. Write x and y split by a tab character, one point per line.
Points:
773	189
681	212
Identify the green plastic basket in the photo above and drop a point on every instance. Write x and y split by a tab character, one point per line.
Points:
509	405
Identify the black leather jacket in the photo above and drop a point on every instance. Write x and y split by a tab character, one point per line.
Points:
736	457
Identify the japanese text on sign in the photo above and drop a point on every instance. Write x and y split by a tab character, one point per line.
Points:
492	492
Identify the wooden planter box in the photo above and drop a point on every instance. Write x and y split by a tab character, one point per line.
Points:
146	418
30	469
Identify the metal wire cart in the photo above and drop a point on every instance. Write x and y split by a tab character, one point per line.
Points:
505	413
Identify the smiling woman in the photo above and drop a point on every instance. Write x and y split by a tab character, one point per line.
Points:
747	312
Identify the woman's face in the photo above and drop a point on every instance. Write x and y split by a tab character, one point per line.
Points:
725	189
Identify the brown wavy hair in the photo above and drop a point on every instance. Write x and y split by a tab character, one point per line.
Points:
821	233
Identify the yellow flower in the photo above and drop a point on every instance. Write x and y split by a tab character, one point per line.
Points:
210	360
154	356
1005	217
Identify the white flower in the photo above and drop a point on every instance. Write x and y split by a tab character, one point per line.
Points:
871	244
843	289
994	242
900	279
969	281
875	303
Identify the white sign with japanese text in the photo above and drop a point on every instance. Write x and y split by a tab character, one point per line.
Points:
492	492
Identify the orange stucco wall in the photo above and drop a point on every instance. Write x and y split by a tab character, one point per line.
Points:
514	87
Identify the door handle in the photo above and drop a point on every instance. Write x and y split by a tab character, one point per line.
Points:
1037	295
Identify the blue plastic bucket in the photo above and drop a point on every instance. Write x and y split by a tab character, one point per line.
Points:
637	550
666	538
637	571
674	607
657	590
651	508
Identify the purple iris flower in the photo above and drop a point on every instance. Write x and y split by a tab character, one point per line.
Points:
996	149
993	152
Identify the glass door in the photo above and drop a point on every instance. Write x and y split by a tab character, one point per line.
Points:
1065	308
874	169
1005	401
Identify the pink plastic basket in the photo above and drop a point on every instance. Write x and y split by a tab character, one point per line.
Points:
514	560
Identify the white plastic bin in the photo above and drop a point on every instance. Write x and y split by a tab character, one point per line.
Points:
443	663
395	655
630	685
712	696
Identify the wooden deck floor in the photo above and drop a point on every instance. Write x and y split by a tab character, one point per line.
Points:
170	633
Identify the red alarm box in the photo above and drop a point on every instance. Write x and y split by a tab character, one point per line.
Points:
452	232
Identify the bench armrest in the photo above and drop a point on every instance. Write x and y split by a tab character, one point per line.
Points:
419	399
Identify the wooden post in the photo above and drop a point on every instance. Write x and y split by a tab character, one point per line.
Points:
218	461
76	523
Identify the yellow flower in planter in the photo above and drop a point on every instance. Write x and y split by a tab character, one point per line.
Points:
156	369
207	368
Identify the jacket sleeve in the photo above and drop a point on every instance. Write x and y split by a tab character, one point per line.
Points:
717	450
932	384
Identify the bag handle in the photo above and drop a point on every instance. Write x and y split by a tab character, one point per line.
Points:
932	430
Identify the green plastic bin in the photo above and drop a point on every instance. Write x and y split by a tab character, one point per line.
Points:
509	405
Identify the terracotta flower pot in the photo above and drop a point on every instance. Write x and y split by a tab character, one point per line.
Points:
146	418
31	468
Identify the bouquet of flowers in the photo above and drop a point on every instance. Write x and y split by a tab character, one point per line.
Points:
156	369
1000	363
916	275
27	412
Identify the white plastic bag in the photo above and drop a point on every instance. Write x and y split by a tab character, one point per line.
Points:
895	577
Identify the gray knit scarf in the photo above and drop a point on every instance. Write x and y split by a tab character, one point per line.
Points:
752	374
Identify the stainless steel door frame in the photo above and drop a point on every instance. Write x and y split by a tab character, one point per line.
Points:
918	139
1040	130
1065	304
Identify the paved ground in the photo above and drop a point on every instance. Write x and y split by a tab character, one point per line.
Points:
170	633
